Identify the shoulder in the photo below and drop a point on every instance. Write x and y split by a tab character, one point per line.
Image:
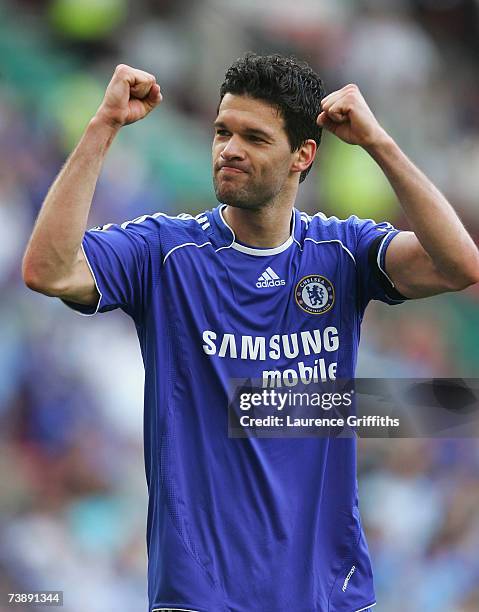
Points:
322	223
348	230
163	230
320	229
353	235
183	223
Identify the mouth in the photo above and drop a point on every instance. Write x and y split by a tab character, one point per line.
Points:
231	170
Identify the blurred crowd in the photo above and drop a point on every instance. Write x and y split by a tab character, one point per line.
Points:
72	489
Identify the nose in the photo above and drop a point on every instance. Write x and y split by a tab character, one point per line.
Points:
232	149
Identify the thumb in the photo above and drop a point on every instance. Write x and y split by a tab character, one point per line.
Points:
154	96
322	118
325	122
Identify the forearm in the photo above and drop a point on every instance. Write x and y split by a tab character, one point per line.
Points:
432	219
56	238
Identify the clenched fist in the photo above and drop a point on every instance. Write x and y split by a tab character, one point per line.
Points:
129	97
346	114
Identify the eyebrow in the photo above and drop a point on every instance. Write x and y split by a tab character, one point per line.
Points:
250	130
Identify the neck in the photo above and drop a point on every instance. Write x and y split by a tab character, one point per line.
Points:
266	228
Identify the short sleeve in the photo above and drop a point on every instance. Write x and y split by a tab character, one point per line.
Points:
373	240
125	262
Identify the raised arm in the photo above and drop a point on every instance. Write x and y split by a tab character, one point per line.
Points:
54	263
439	255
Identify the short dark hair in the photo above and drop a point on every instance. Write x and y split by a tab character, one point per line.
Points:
286	83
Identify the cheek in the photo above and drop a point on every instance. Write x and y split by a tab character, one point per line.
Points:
278	168
216	149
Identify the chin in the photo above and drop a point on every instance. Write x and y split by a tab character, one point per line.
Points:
230	198
237	198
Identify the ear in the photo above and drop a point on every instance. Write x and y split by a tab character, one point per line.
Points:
304	156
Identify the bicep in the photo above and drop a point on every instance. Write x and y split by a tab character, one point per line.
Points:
412	270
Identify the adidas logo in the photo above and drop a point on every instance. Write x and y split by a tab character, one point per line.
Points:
269	278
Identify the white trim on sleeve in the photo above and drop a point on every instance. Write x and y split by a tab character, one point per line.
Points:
173	609
378	259
366	608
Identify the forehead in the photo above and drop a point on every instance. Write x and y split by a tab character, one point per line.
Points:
244	112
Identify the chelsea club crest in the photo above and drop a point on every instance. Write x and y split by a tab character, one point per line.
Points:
314	294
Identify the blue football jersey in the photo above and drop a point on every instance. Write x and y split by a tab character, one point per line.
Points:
251	524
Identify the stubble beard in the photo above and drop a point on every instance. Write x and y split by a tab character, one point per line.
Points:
251	197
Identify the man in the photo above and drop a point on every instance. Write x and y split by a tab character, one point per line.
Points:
251	289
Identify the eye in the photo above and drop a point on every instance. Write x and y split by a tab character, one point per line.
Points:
253	138
221	132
